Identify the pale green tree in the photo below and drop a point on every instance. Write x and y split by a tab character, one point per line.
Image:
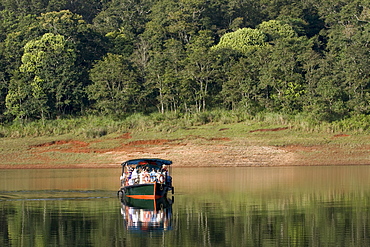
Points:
48	66
243	40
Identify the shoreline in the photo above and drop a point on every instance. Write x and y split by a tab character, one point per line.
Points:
217	155
175	166
76	167
276	147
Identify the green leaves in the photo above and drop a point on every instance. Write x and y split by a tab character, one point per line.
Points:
184	55
275	29
115	88
243	40
48	64
45	52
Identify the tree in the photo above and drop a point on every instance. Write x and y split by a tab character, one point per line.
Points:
64	22
164	76
25	99
342	87
282	74
24	7
243	40
275	29
115	88
89	46
272	63
17	31
241	14
199	69
48	69
128	15
239	82
88	9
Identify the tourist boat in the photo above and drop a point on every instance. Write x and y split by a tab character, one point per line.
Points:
146	178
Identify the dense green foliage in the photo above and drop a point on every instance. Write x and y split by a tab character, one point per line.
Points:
118	57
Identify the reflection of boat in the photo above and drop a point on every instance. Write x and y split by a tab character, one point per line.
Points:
147	215
146	178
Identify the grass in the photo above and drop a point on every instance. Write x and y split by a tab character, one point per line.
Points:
105	133
100	126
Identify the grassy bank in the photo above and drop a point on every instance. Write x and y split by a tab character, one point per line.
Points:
96	126
104	141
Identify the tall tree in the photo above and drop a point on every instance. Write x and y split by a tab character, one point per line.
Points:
343	86
200	68
164	76
115	88
16	31
240	87
283	73
49	65
88	9
128	15
89	45
24	7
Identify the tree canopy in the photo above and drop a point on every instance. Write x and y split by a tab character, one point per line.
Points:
68	58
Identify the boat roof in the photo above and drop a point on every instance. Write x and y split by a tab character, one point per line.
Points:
146	161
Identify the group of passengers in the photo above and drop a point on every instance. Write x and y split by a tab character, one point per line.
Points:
142	175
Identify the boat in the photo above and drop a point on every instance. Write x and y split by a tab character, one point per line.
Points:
146	178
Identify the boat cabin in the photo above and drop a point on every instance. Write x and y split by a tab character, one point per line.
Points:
144	171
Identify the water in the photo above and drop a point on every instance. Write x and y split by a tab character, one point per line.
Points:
251	206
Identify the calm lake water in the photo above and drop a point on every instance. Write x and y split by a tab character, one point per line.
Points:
275	206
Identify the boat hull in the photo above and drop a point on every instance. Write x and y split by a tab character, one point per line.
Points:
145	191
155	204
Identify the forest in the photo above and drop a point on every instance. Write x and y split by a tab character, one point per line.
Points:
63	59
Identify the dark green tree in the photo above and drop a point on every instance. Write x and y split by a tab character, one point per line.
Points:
88	9
342	84
89	45
24	7
199	70
240	89
119	15
115	89
164	76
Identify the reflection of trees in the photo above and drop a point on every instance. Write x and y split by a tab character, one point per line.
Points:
303	219
95	222
58	223
335	219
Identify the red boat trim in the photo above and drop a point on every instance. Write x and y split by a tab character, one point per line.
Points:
155	189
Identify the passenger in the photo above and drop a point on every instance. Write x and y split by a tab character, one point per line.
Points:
134	176
153	176
128	176
123	179
164	174
160	178
142	174
146	176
